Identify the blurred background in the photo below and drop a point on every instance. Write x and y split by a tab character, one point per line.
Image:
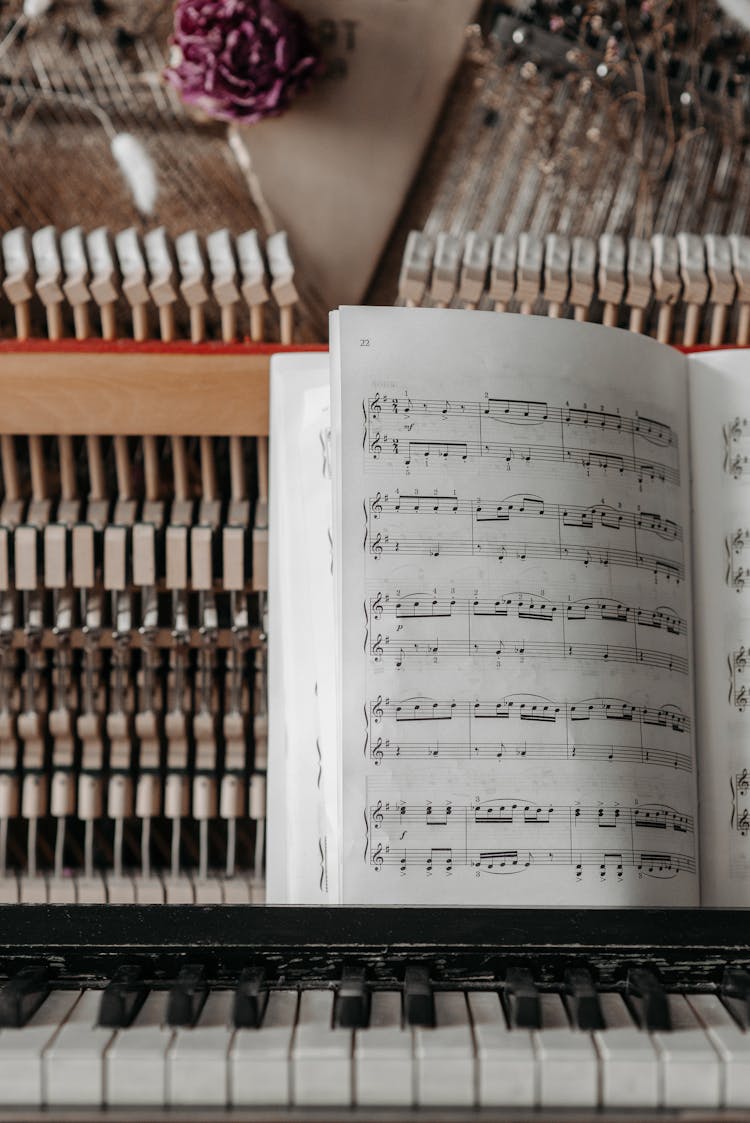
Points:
439	115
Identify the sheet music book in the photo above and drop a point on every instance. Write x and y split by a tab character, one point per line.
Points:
510	600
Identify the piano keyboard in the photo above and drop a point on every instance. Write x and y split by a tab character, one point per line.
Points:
687	289
404	1035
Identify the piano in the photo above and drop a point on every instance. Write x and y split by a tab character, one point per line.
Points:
132	1012
141	977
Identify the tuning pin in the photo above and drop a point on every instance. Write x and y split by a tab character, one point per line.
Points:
19	277
282	283
254	288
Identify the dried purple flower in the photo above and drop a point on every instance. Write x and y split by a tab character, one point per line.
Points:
240	60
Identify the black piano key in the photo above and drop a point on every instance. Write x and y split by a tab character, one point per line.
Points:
735	994
249	999
522	999
352	1006
419	1004
22	996
582	999
648	999
122	997
187	996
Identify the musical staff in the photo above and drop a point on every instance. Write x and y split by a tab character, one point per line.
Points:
411	451
735	544
736	435
421	432
739	819
463	622
524	606
520	412
427	729
739	678
512	834
453	527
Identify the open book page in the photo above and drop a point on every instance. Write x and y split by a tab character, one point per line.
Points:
516	679
720	454
302	758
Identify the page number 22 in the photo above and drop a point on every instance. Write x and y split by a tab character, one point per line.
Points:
364	342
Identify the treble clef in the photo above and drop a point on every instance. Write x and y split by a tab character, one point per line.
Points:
377	815
375	406
377	857
377	709
377	649
376	506
376	446
376	546
377	750
743	825
376	607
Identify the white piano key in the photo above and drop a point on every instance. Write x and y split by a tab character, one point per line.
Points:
732	1045
444	1056
120	890
149	890
74	1061
236	891
197	1061
61	890
9	890
567	1059
321	1055
33	890
136	1061
505	1058
207	891
383	1061
21	1077
629	1064
259	1058
179	890
689	1066
91	890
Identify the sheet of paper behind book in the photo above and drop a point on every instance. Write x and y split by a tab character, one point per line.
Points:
720	444
302	780
335	169
513	521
